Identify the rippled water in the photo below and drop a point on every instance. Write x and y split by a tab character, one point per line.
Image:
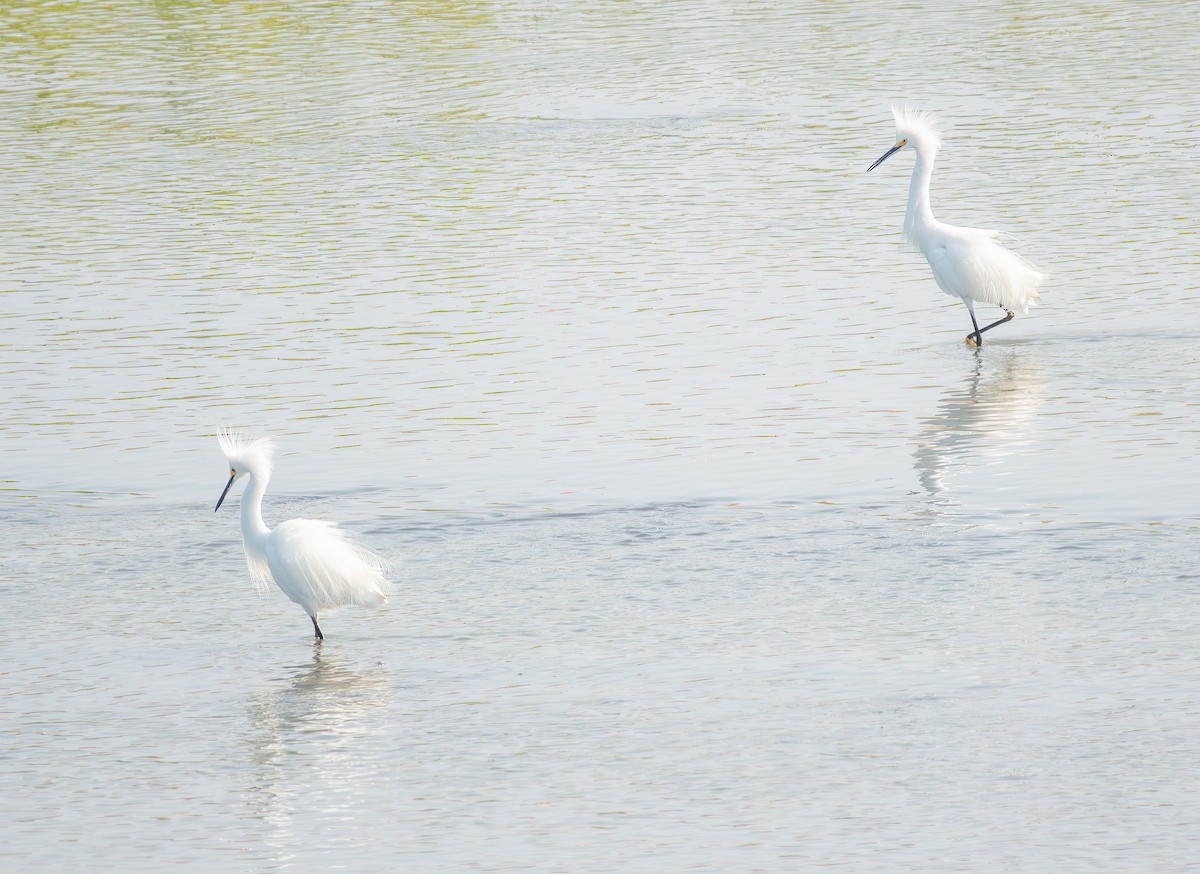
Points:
719	549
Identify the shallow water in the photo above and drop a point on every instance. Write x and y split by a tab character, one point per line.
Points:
718	549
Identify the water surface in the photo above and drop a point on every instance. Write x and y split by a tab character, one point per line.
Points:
717	548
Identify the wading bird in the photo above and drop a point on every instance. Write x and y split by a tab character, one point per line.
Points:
316	564
967	263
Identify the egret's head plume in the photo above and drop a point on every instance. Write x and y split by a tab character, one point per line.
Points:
917	127
246	455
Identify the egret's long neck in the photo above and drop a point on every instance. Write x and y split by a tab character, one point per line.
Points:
254	530
919	216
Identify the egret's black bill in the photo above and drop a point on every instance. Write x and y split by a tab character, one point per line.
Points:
893	150
228	486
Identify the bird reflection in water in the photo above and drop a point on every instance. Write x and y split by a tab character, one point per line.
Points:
311	737
980	422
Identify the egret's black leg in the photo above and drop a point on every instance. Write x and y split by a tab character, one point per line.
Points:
977	334
316	628
1007	318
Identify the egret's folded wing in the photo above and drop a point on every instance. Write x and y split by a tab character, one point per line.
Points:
320	566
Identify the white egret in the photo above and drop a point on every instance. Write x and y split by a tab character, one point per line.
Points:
314	563
967	263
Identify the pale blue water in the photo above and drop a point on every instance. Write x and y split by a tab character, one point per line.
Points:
718	549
